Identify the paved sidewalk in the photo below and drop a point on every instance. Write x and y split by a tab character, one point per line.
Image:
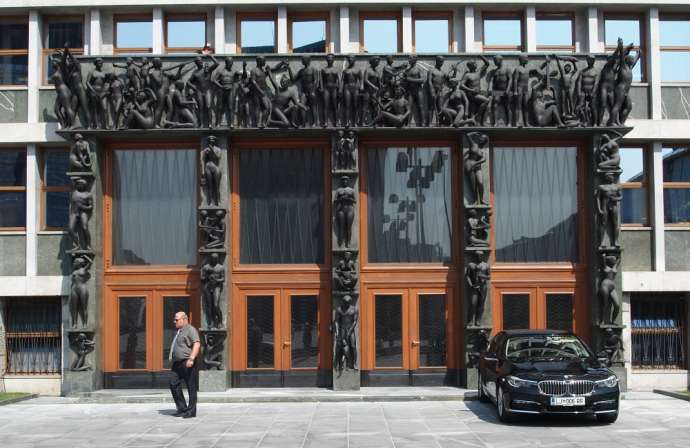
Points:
653	422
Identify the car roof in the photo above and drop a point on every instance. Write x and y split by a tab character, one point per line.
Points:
526	332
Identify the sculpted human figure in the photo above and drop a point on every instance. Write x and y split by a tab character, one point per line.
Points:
212	279
182	108
79	293
609	300
471	84
63	102
477	228
500	82
81	207
330	87
607	85
455	107
567	82
521	78
352	84
622	105
473	159
415	79
346	272
259	78
244	98
345	319
116	98
96	86
437	83
345	151
608	154
609	196
285	105
544	112
309	79
138	113
613	346
586	93
212	226
371	81
80	155
390	77
201	83
159	81
394	112
133	71
476	276
477	347
210	165
344	202
227	80
213	351
82	346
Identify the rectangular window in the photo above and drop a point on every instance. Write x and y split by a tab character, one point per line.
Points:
56	187
33	335
634	182
154	207
628	27
659	323
60	31
432	330
432	32
676	184
185	33
133	33
515	311
380	32
132	332
257	33
555	32
674	42
12	189
281	206
260	339
14	51
389	330
409	205
559	311
536	203
309	33
502	32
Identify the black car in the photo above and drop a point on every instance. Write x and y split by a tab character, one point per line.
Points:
546	372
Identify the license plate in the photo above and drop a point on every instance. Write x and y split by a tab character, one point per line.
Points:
567	401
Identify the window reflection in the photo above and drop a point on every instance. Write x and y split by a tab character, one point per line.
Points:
309	36
431	35
258	36
380	36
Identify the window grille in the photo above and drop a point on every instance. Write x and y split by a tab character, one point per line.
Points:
658	333
33	336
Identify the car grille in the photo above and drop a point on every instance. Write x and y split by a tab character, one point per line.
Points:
567	387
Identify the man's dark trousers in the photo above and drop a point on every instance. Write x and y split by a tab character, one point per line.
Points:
190	376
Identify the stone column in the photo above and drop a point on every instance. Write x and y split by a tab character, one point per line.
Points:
213	225
477	251
345	251
605	253
82	341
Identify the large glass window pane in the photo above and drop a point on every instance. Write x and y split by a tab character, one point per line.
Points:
431	35
380	35
171	305
309	36
190	33
134	34
409	205
674	33
634	206
281	206
132	332
632	164
675	66
304	331
503	32
258	36
57	209
260	339
14	35
432	330
388	330
154	207
66	32
515	311
56	167
676	164
14	70
554	32
12	209
535	193
676	205
12	168
559	312
626	29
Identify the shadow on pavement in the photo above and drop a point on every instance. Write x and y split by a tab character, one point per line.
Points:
487	413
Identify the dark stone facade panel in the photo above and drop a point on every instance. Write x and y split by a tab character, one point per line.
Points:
637	255
52	256
13	106
677	244
13	250
675	102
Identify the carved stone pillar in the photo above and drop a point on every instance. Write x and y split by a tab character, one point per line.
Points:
605	252
213	229
82	338
345	256
476	246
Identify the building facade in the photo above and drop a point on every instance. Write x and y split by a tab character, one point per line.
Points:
347	220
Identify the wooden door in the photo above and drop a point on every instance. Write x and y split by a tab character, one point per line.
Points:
544	307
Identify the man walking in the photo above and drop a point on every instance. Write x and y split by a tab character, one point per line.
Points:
183	353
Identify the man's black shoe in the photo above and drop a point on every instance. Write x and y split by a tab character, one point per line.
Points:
180	413
189	414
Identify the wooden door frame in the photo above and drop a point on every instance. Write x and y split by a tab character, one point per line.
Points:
450	323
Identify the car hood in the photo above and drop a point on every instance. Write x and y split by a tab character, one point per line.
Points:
541	370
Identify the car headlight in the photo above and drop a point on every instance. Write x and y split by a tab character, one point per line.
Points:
609	382
519	382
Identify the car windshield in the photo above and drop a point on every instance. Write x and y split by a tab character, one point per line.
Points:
545	347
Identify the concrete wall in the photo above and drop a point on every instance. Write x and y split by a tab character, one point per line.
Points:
13	106
52	259
637	250
646	380
12	254
34	384
677	250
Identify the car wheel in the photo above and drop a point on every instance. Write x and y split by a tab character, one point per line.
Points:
609	417
483	398
504	415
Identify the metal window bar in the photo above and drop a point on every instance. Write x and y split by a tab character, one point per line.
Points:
33	336
659	334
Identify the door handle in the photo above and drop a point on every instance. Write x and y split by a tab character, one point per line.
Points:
286	344
415	343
